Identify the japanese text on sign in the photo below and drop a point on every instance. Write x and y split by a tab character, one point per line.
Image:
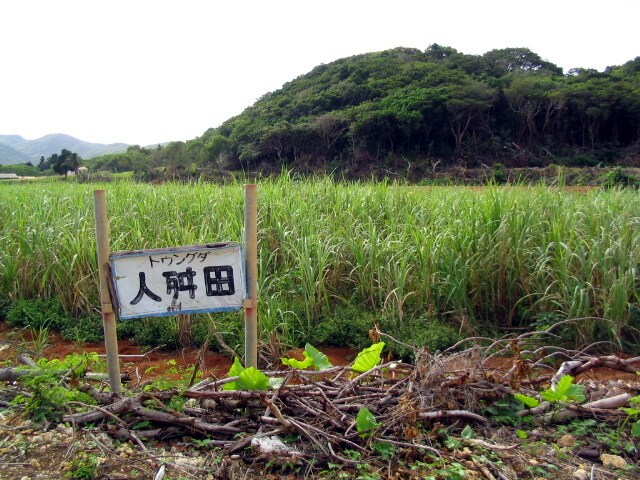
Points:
195	279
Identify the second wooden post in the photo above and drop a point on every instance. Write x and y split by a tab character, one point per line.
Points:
251	267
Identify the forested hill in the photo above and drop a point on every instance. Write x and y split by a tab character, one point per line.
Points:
507	105
405	109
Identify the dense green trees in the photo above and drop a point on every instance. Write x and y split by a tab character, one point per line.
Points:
134	159
63	163
433	107
21	169
507	105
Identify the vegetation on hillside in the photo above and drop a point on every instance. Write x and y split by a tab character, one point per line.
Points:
15	149
21	170
410	111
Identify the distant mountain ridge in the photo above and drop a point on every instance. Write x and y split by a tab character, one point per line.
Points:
15	149
9	155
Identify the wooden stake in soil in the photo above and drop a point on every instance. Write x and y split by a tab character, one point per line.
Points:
108	315
251	267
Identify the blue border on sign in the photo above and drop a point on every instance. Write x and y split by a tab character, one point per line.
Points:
189	248
182	312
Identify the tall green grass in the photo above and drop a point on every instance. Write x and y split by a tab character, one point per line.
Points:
480	260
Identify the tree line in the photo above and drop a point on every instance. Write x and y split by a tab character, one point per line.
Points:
59	163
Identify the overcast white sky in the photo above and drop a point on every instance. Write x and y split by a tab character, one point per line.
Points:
149	71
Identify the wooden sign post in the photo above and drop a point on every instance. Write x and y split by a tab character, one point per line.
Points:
178	280
108	315
251	268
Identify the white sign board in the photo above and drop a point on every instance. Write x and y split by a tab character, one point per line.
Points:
169	281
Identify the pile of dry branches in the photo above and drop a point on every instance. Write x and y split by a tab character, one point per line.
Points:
408	403
320	407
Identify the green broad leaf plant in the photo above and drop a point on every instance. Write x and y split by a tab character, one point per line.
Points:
368	358
312	358
365	422
565	391
366	425
634	413
526	400
365	360
253	379
234	371
248	378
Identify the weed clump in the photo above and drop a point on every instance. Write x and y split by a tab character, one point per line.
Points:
617	177
47	314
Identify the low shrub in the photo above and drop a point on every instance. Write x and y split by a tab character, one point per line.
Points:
499	173
99	176
84	329
37	313
617	177
347	326
151	332
579	160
